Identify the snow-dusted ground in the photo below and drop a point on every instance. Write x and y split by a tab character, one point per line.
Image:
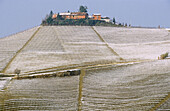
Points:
132	35
4	82
55	46
141	51
10	45
136	43
45	40
61	46
131	87
137	87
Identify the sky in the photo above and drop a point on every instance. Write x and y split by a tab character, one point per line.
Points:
19	15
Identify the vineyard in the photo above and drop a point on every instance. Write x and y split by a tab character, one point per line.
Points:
56	46
11	44
119	69
136	43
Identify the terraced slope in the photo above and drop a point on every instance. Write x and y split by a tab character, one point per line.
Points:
136	43
123	87
132	35
10	45
62	46
136	87
44	41
56	46
42	94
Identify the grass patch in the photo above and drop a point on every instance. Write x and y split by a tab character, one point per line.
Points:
164	56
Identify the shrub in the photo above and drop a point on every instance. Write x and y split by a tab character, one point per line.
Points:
163	56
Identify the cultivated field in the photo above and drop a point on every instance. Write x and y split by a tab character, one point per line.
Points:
54	46
126	86
10	45
136	43
62	46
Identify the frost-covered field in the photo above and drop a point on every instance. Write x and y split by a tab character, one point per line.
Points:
137	87
61	46
141	51
10	45
50	94
45	40
137	43
55	46
132	35
123	87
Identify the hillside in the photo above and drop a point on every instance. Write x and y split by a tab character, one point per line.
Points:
11	44
63	46
119	69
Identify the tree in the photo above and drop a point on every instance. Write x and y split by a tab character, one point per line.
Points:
114	20
59	17
51	13
83	9
49	20
49	17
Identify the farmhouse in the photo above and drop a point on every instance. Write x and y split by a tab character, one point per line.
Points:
72	15
96	16
80	15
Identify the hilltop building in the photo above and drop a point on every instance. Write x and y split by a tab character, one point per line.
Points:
106	19
54	16
72	15
96	16
81	15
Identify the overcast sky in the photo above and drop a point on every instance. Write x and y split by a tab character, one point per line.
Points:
19	15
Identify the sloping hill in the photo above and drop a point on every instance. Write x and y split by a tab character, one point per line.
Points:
10	45
132	35
137	43
62	46
46	49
